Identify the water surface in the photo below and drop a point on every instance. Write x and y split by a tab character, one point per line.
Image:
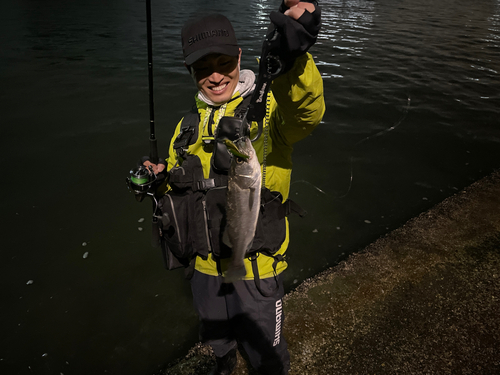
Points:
75	119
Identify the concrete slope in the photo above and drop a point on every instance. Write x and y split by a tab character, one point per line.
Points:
424	299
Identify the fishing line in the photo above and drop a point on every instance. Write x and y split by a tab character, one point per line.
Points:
379	134
307	182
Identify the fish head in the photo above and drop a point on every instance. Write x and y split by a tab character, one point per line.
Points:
244	165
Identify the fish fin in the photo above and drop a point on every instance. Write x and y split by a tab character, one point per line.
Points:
253	198
233	149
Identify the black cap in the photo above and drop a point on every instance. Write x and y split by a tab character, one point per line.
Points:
209	34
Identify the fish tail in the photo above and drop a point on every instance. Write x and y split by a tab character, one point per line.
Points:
235	273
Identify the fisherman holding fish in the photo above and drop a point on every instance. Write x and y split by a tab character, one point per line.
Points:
223	216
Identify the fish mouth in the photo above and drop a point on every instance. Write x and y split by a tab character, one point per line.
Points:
233	149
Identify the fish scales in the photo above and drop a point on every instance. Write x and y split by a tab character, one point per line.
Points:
243	205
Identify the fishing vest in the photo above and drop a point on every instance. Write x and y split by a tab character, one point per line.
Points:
193	212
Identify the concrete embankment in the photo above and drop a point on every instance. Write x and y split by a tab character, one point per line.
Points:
424	299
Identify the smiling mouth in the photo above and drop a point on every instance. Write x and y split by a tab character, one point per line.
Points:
219	88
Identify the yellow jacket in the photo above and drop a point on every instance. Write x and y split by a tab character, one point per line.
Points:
295	106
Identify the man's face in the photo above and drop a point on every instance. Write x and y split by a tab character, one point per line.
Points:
217	75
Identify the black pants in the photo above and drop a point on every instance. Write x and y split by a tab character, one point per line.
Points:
237	313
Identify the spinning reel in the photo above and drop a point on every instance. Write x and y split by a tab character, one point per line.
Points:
141	181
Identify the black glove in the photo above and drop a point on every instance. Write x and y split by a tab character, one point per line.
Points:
147	158
160	176
297	36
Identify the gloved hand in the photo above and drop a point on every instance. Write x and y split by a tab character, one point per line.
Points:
157	168
299	24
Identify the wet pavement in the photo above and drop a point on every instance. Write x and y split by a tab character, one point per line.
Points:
424	299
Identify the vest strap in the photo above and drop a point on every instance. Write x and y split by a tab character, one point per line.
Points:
206	184
255	269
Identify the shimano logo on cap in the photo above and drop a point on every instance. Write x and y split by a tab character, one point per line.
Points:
207	34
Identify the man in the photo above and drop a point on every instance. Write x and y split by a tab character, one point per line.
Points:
247	312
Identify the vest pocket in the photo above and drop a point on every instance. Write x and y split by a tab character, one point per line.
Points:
193	223
215	220
174	224
271	226
183	229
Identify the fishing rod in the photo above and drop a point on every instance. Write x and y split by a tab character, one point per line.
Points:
232	128
153	147
270	67
141	178
276	59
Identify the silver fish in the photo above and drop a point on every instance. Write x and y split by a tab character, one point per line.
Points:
243	205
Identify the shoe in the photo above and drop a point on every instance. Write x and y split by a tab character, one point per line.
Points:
225	364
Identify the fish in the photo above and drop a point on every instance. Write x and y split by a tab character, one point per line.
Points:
242	206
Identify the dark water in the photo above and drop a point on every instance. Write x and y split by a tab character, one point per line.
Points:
74	107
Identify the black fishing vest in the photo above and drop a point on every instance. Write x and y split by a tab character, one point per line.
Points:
193	212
